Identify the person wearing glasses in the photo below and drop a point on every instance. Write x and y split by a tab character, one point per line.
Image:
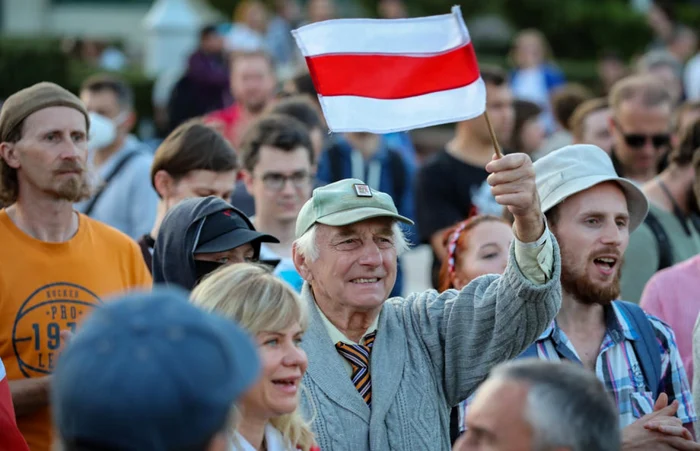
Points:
671	233
278	171
642	110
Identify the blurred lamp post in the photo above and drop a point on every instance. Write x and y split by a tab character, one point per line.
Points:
172	30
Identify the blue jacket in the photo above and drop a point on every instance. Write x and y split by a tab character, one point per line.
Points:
553	76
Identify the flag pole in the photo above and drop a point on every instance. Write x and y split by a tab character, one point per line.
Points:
496	146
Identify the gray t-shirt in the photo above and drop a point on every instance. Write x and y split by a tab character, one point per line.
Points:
642	255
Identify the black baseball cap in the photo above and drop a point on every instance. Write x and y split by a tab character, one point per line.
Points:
228	229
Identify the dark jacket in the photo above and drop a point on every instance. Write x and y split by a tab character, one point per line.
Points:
210	81
173	255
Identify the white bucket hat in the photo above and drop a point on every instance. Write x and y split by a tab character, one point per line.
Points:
572	169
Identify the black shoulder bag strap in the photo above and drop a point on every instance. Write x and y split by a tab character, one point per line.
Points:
117	169
662	240
695	219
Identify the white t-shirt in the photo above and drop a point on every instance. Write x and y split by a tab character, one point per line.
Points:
273	440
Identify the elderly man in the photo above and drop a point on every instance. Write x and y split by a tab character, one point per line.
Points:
428	351
546	405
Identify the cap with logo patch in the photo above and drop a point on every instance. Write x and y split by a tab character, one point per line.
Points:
346	202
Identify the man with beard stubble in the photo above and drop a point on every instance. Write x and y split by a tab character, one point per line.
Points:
671	233
591	212
253	85
57	264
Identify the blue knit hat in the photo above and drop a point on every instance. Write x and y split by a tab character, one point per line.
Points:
151	372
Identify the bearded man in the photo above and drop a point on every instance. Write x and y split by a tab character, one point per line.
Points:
591	212
57	264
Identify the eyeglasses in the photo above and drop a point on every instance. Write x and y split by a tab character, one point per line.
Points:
638	140
275	181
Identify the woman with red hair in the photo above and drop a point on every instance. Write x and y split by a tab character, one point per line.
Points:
476	246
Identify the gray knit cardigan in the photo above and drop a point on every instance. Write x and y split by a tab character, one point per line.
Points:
431	351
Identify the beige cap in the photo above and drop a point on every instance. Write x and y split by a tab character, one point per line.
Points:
576	168
22	104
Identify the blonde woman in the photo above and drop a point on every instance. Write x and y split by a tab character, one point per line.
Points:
271	311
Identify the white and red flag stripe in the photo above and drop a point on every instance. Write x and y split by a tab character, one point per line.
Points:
388	75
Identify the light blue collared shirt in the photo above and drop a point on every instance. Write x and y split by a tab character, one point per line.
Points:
129	202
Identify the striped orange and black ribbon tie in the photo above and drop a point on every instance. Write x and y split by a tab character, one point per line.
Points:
358	356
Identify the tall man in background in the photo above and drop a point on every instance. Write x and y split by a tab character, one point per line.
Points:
641	126
253	84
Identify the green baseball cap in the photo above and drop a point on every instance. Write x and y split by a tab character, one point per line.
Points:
346	202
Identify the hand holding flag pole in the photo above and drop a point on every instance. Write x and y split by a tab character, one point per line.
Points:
392	75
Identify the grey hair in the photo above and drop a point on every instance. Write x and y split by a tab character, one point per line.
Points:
567	406
307	246
642	87
660	58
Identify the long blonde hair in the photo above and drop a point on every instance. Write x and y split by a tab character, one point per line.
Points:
253	297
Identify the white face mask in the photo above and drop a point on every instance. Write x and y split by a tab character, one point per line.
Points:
103	131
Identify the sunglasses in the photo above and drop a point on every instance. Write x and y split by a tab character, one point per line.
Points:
638	140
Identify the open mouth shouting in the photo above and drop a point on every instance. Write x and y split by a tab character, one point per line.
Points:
607	264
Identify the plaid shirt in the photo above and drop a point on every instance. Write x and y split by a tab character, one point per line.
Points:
620	371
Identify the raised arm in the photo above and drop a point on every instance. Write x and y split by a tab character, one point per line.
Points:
491	320
495	318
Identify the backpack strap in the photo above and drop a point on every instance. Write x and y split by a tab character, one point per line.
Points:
398	175
117	169
646	347
662	240
695	220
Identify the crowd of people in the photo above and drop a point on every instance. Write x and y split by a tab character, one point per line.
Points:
238	286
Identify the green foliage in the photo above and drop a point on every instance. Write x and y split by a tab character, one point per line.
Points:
576	29
225	7
25	62
580	28
142	85
689	15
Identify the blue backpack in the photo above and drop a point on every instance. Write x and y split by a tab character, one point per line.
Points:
646	348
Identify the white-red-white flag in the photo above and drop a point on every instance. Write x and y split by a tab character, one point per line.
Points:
388	75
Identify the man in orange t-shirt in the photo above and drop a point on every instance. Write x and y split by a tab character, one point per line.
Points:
57	265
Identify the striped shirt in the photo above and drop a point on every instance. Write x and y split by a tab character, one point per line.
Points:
620	371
